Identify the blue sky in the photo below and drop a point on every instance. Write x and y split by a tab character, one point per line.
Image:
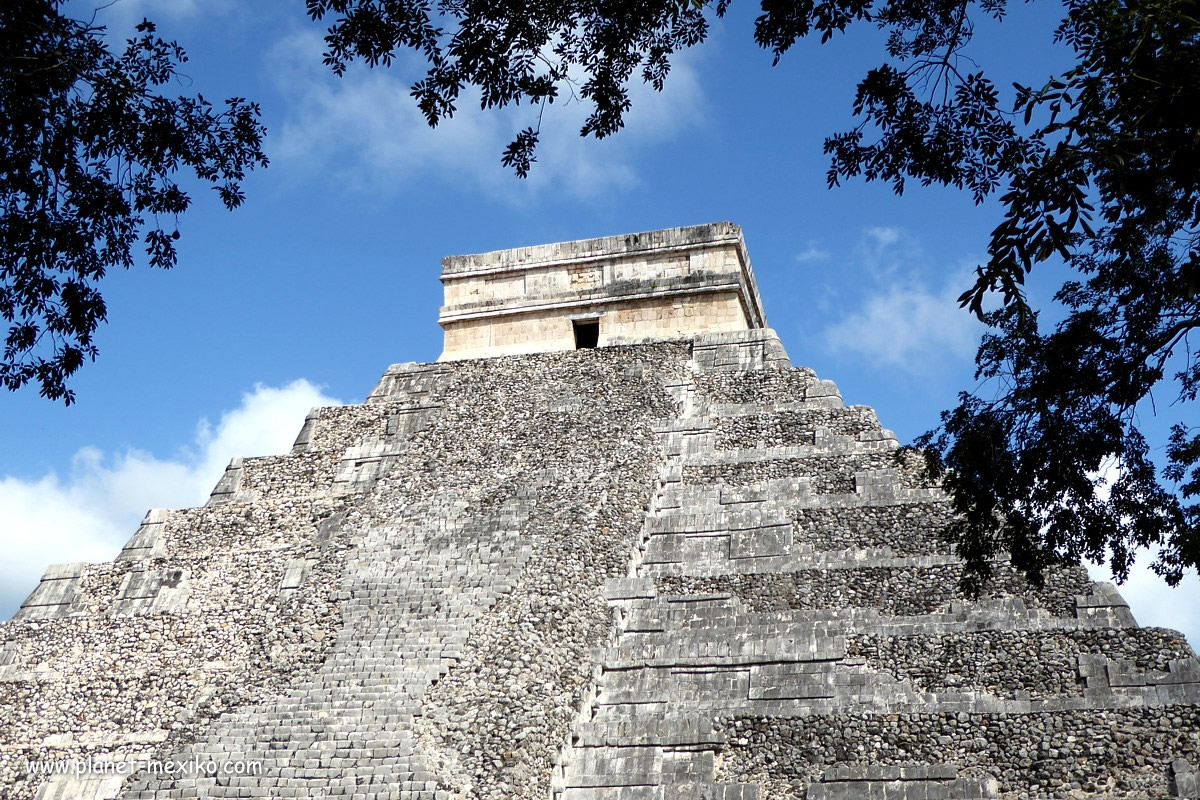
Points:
330	271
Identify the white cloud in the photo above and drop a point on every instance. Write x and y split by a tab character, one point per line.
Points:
888	252
169	8
897	310
365	129
1151	600
120	16
1156	604
811	253
908	325
882	236
90	513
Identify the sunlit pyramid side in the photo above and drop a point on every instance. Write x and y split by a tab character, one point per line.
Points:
611	546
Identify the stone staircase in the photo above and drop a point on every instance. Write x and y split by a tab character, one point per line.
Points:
781	525
653	572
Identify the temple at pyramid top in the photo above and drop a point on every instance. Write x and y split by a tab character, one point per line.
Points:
634	287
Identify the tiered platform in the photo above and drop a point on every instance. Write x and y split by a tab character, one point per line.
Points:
665	571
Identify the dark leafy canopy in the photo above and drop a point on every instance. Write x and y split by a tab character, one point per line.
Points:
1121	136
89	148
1098	167
515	50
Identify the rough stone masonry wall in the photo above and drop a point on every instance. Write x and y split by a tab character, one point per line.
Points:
1013	663
408	605
795	628
141	654
615	574
784	428
496	523
895	591
495	723
1075	754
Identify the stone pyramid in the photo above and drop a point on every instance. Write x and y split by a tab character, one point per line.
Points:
613	546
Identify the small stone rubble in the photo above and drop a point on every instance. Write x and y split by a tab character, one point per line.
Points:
338	428
761	388
896	591
907	529
288	477
792	428
1110	754
1035	664
834	474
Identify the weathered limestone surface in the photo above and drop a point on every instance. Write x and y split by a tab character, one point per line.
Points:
637	287
410	603
669	571
792	627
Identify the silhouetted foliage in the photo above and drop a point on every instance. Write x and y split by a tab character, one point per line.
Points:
1110	183
89	151
1098	167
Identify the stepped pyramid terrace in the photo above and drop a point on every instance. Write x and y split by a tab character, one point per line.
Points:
613	545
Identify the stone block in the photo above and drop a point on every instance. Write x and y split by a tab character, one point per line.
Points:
151	591
146	542
295	574
775	540
81	787
304	437
227	486
54	594
629	589
1185	780
789	682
